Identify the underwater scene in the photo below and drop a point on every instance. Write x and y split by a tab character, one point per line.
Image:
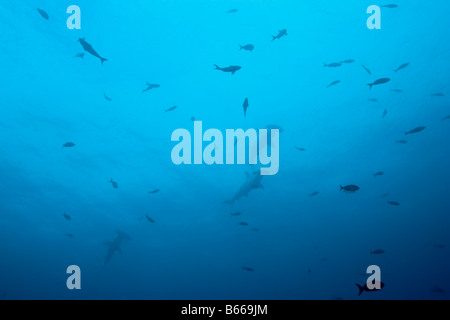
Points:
213	150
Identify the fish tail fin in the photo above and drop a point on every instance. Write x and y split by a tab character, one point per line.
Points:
240	47
370	85
406	133
361	289
273	38
217	67
103	60
341	188
325	65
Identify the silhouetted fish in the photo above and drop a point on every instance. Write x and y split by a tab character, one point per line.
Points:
280	34
66	216
114	184
192	119
416	130
385	112
170	109
151	86
377	251
333	83
254	229
106	97
232	11
402	141
365	68
446	118
154	191
365	288
348	61
69	235
439	246
397	90
79	55
349	188
247	269
373	100
245	105
68	145
379	173
231	69
43	13
437	94
393	203
87	47
315	193
242	224
391	6
385	195
300	149
149	219
236	214
332	65
248	47
378	82
437	289
403	66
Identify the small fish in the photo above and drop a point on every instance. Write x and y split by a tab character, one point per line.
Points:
391	6
79	55
439	246
247	269
332	65
236	213
114	184
402	141
66	216
254	229
437	289
365	288
348	61
248	47
373	100
106	97
43	13
365	68
300	149
192	119
437	94
68	145
242	224
154	191
274	126
315	193
323	259
149	219
232	11
446	118
377	251
349	188
231	69
333	83
69	235
385	112
87	47
379	173
170	109
280	34
385	195
416	130
397	90
393	203
151	86
403	66
245	105
309	271
379	81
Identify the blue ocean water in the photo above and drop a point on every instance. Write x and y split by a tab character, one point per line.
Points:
299	246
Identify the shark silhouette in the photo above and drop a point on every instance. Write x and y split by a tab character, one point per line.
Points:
114	245
253	181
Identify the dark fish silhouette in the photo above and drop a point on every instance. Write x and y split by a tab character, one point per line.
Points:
437	289
231	69
373	100
402	141
154	191
332	65
348	61
170	109
315	193
333	83
192	119
43	13
248	47
254	229
403	66
385	195
66	216
68	145
389	6
416	130
69	235
114	245
114	184
367	69
79	55
437	94
393	203
245	105
349	188
106	97
236	213
151	86
247	269
377	251
446	118
300	149
378	82
232	11
439	246
149	219
379	173
280	34
87	47
242	224
365	288
385	112
397	90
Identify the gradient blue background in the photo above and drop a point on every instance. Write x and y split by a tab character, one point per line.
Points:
195	249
